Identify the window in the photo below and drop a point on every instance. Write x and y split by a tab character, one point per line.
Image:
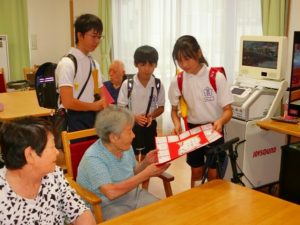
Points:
217	25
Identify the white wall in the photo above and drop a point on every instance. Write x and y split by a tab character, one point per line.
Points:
49	30
49	27
87	6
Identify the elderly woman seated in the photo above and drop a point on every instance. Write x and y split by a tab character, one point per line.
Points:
108	168
33	189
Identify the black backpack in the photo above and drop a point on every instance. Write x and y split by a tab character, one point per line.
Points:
45	84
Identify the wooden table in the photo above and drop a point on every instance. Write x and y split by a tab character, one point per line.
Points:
216	202
20	104
285	128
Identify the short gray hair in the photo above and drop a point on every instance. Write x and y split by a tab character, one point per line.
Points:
112	120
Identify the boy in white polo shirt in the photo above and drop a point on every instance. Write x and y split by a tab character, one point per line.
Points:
77	90
144	95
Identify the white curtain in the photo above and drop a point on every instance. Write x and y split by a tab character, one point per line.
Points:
217	25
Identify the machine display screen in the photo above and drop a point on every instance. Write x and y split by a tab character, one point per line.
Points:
260	54
237	91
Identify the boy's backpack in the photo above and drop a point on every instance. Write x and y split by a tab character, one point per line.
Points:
45	84
212	79
130	85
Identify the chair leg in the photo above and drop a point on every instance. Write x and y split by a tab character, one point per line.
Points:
98	213
168	189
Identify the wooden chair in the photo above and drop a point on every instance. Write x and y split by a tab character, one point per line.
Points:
29	74
73	154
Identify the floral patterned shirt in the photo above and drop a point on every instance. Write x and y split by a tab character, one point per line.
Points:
55	203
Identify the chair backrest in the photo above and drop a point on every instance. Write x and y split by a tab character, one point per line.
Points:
29	74
75	144
2	81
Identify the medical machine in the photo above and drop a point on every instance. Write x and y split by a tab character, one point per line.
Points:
258	96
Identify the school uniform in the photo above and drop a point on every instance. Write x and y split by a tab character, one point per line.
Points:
138	103
204	104
65	76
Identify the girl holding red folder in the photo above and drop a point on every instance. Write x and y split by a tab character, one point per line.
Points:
204	104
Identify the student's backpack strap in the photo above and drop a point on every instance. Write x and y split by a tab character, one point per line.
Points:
129	86
74	60
180	81
93	62
212	76
182	102
157	84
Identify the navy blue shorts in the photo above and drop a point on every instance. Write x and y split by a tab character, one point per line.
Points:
144	140
199	157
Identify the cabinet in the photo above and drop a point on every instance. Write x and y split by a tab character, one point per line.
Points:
289	185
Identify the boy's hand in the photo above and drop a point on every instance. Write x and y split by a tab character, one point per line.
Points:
141	119
100	104
149	120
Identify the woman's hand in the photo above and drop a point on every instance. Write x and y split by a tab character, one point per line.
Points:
151	157
155	170
151	162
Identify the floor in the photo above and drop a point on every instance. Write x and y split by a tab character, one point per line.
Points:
181	171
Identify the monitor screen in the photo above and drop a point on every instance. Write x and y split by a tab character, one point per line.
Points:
260	54
294	98
263	57
295	75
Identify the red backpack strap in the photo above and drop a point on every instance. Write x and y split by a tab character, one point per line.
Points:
212	76
180	81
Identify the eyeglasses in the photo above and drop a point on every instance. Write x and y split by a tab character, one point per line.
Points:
95	36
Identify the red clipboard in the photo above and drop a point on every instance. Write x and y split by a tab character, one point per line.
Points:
107	95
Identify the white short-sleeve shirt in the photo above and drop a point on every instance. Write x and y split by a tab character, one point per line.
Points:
140	96
65	75
204	104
